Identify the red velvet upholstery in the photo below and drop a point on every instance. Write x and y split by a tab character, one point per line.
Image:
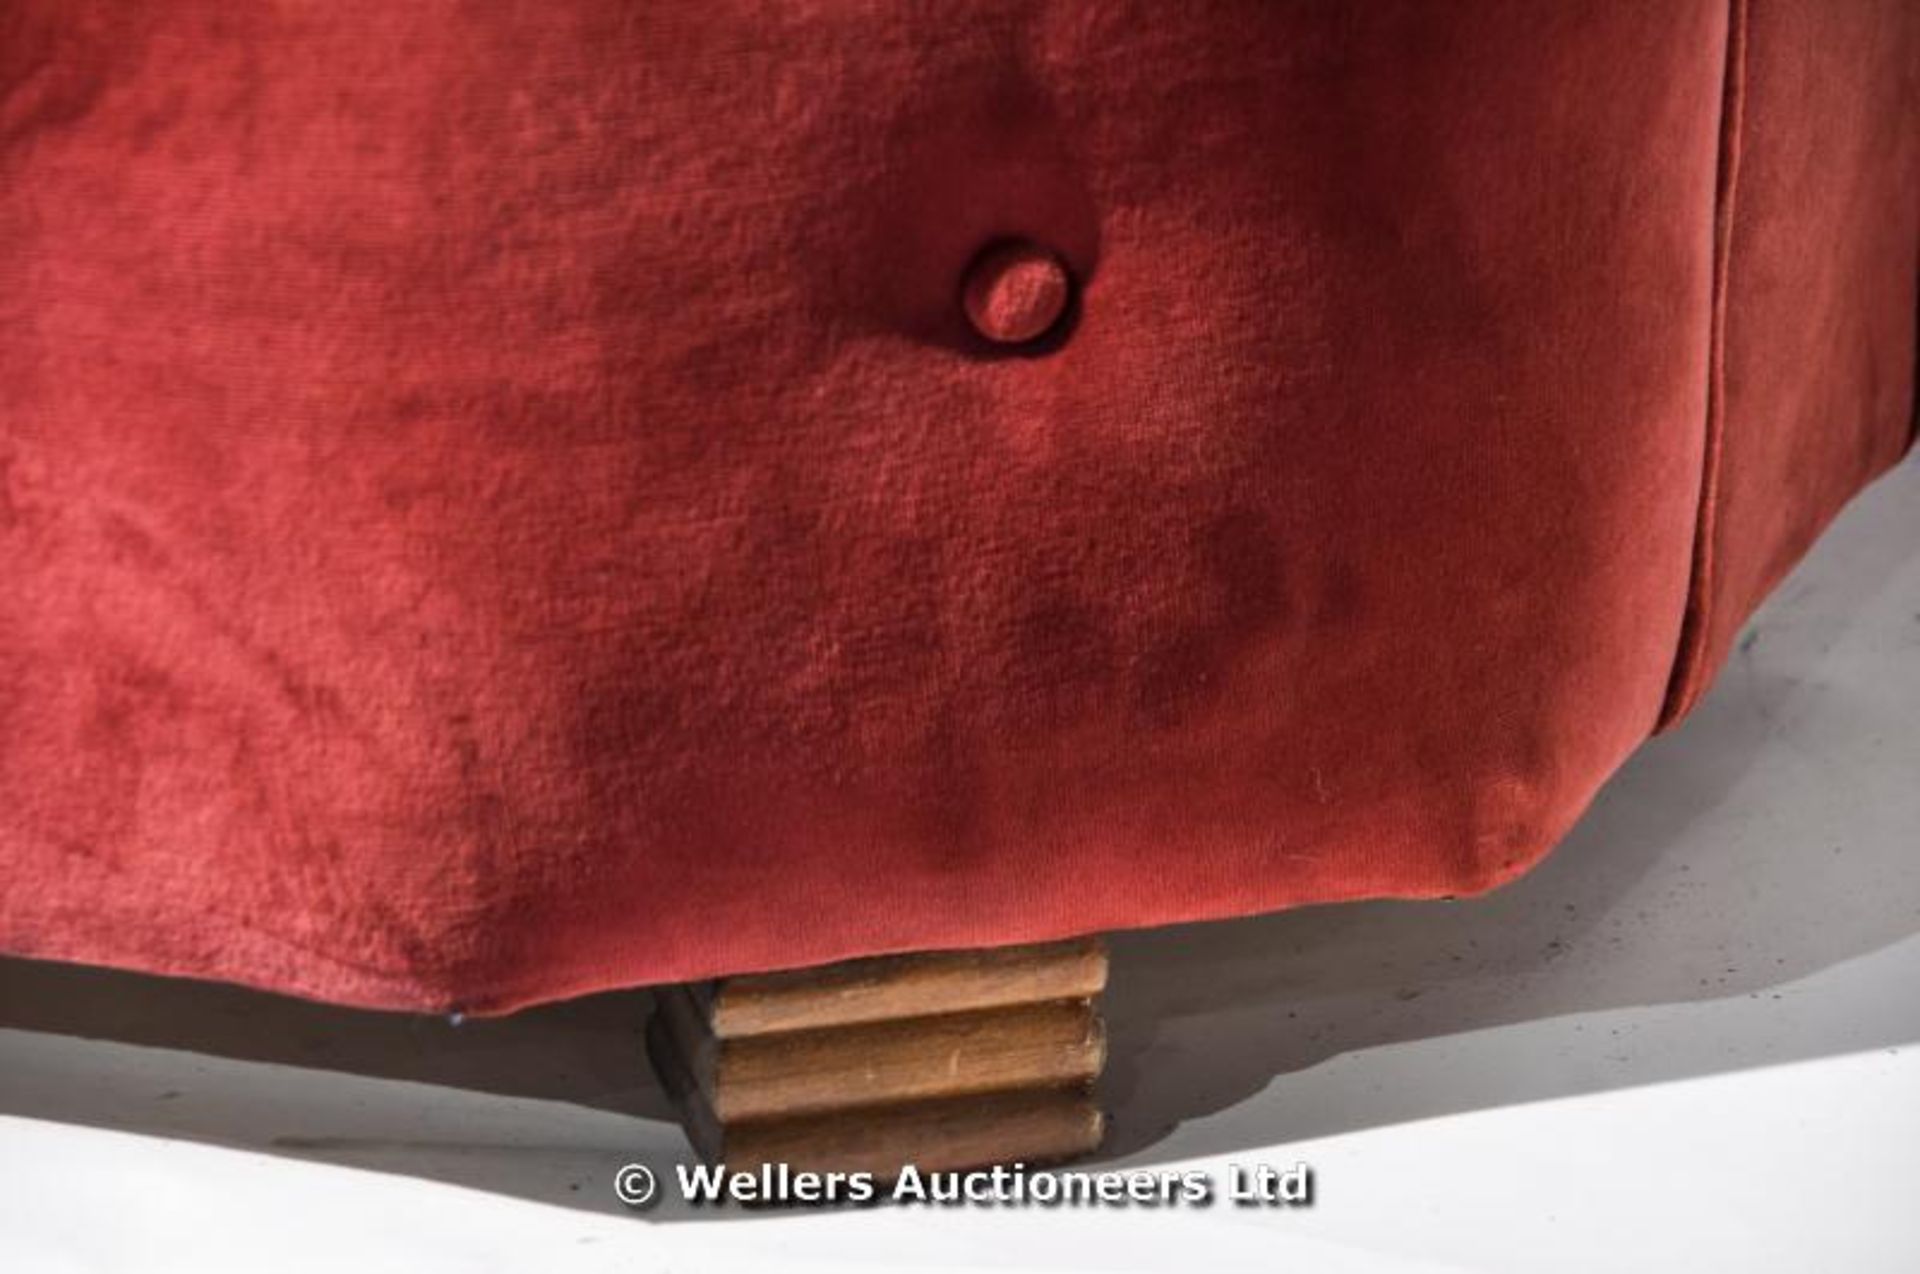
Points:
507	500
1820	235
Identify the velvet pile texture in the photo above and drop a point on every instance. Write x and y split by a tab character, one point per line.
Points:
500	501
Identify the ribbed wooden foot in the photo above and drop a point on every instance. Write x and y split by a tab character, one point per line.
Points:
942	1060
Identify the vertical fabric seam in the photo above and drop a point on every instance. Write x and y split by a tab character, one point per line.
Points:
1913	426
1683	684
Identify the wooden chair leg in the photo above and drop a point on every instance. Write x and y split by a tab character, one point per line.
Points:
943	1060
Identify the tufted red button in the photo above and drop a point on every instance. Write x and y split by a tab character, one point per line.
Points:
1015	292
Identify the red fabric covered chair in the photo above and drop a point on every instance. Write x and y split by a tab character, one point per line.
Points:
506	502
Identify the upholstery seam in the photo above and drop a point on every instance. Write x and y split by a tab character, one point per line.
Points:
1683	683
1913	424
